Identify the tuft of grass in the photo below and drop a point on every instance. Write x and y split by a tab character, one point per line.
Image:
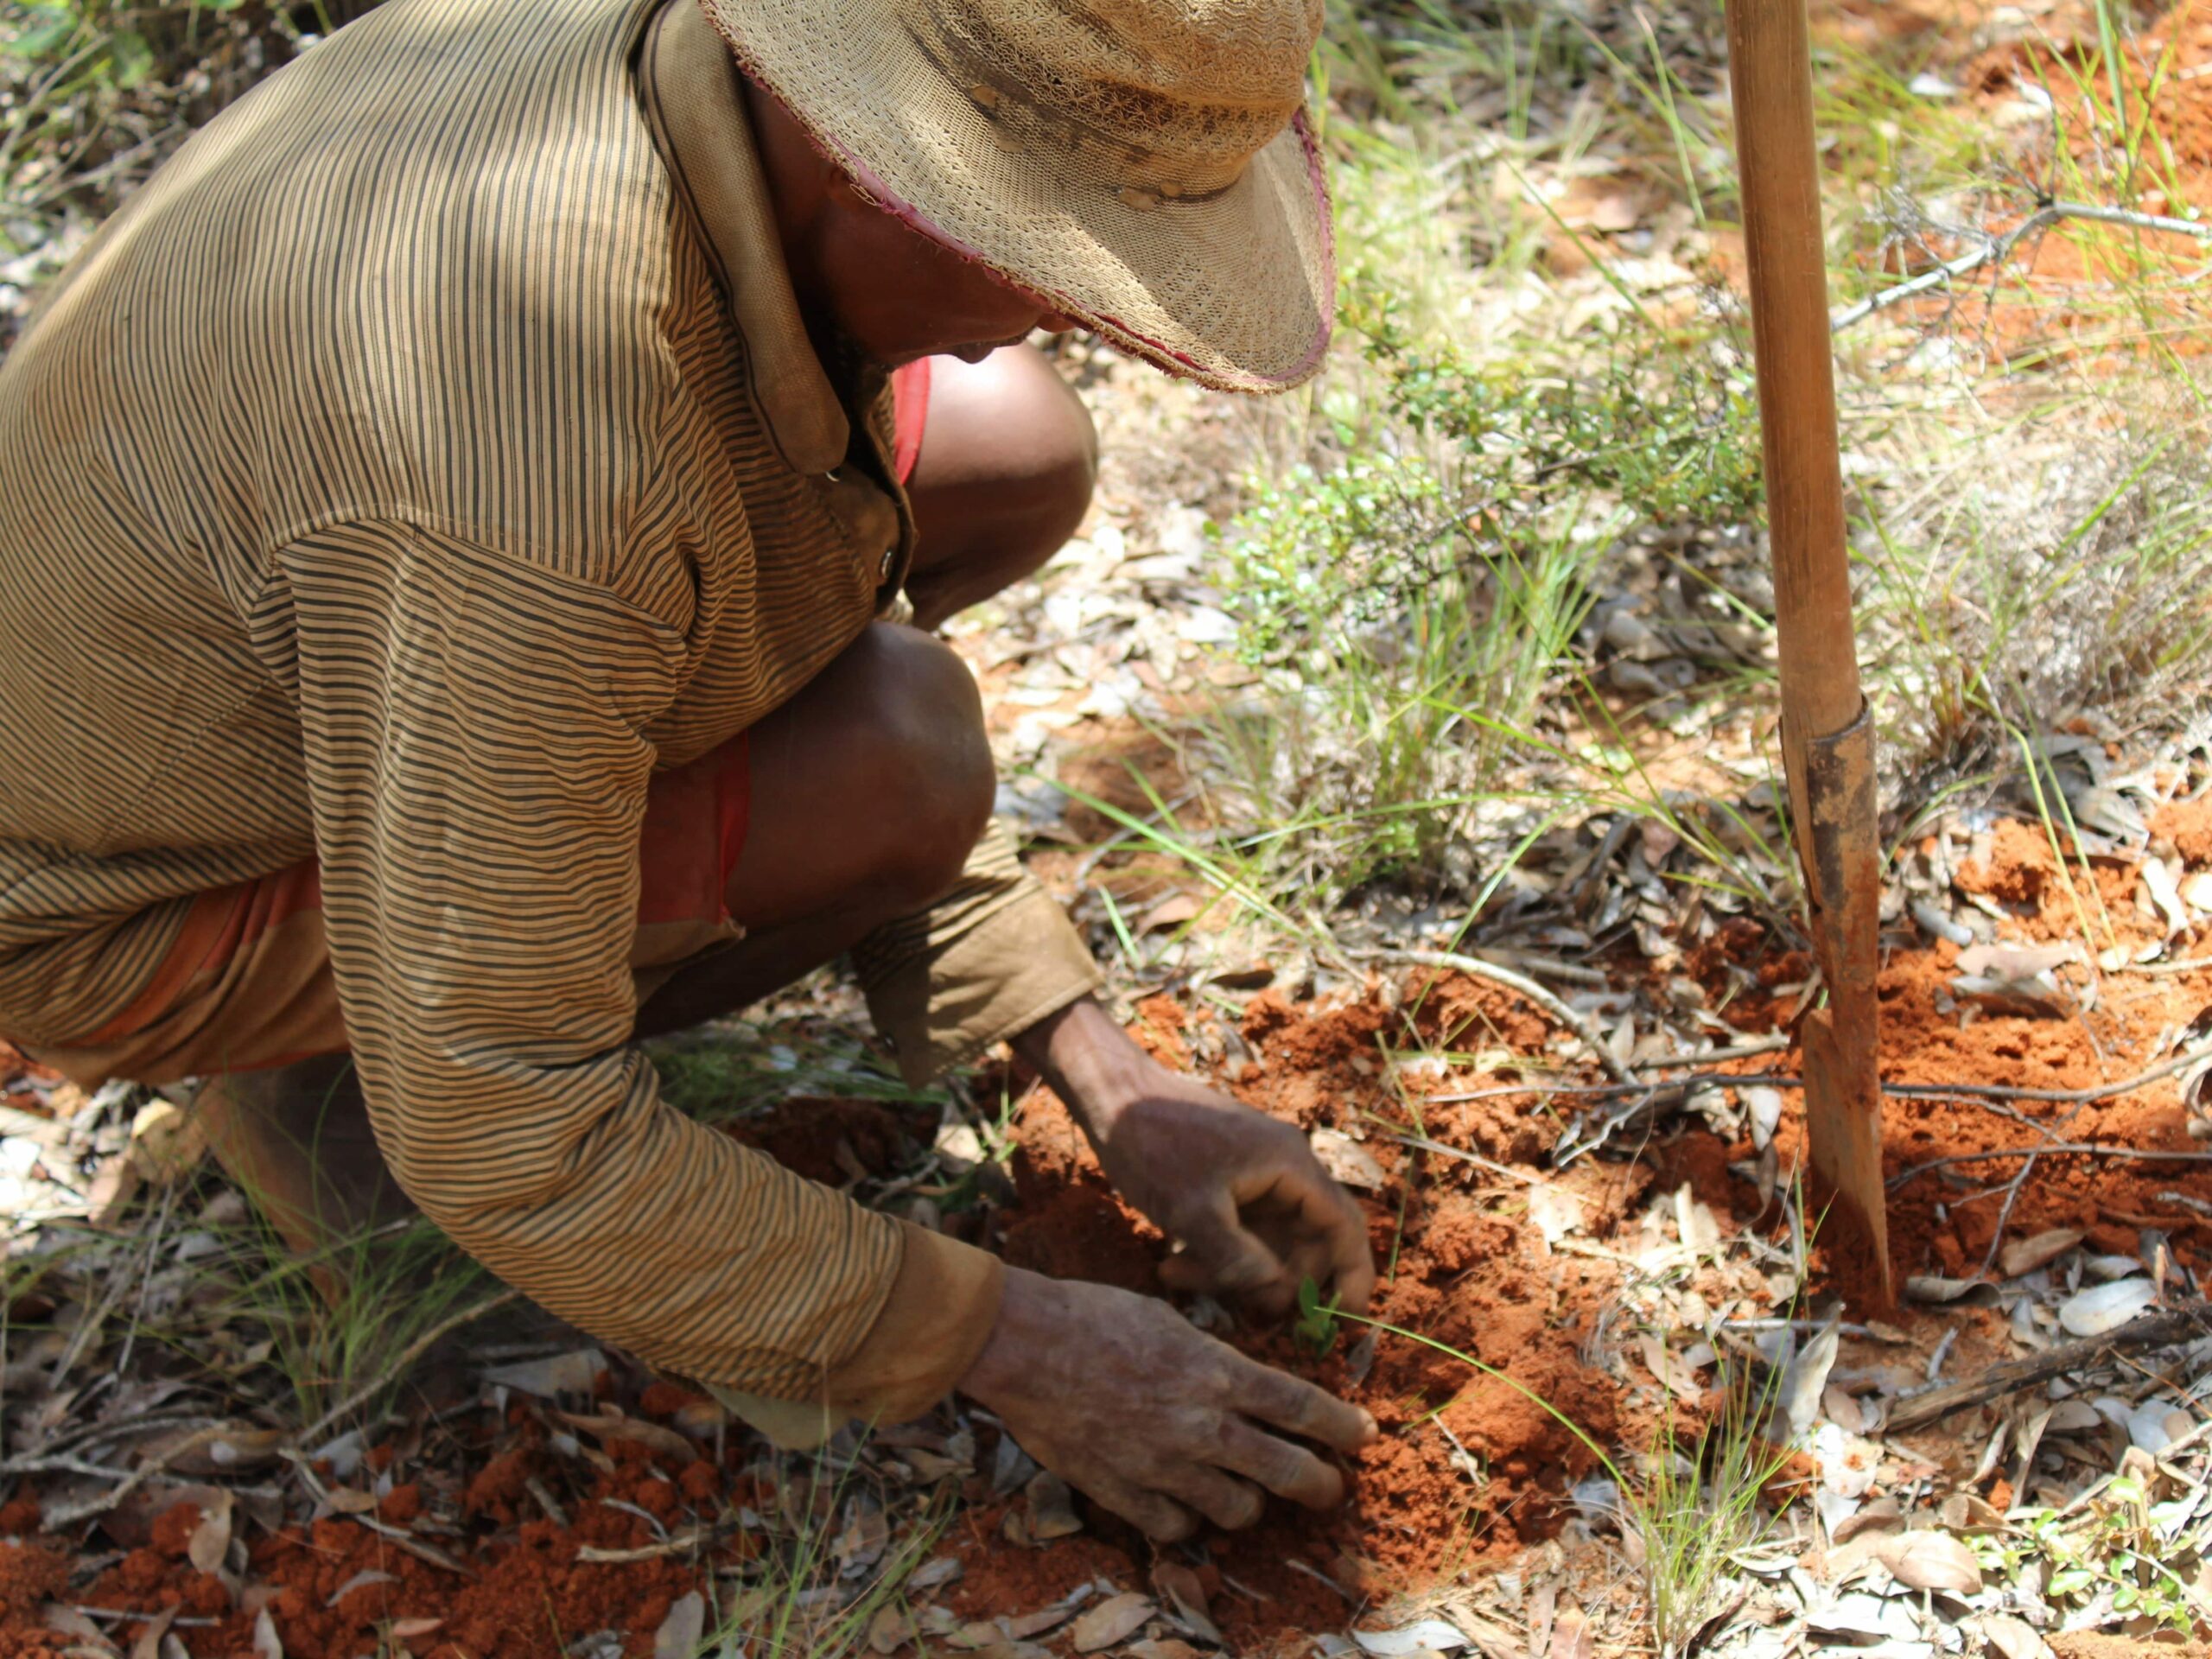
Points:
1696	1510
799	1597
337	1319
1688	1516
723	1070
1999	597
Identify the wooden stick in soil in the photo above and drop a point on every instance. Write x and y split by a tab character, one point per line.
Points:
1826	731
2164	1329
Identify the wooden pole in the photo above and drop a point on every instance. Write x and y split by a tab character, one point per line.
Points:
1826	738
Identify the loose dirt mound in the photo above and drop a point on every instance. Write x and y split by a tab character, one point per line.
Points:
1468	1465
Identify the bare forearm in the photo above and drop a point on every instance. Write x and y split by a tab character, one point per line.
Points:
1090	1063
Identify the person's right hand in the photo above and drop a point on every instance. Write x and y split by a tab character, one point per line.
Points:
1123	1398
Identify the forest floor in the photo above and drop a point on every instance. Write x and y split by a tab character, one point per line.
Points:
1635	1396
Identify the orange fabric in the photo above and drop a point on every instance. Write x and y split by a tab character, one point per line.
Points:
247	984
910	414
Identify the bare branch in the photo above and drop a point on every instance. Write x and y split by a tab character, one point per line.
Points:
2000	247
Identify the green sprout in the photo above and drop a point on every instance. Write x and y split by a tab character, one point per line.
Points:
1315	1332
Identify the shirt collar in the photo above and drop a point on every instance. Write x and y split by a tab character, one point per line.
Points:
689	85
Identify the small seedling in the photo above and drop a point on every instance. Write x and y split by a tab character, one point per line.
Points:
1315	1332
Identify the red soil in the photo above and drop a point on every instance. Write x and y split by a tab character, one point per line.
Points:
1464	1266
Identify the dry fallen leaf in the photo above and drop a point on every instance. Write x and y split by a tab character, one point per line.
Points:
1572	1636
1555	1211
679	1633
1878	1514
148	1643
650	1435
1186	1597
211	1539
891	1629
68	1621
2026	1254
1051	1508
1349	1162
1115	1619
1930	1560
2100	1308
2012	1639
265	1643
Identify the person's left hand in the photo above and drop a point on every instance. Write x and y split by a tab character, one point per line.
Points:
1243	1194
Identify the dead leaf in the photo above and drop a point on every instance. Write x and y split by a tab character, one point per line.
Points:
1115	1619
2014	1638
167	1142
349	1500
2026	1254
148	1643
130	1524
1933	1288
211	1539
2162	882
890	1631
1671	1371
410	1630
1695	1224
863	1541
265	1643
1186	1597
576	1372
1351	1164
1555	1211
2009	961
1930	1560
679	1633
1172	911
650	1435
1879	1515
1572	1636
68	1621
1051	1508
1164	1647
1804	1378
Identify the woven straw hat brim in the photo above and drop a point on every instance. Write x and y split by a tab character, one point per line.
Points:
1235	291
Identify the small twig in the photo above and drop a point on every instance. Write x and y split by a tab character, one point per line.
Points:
1742	1051
2064	1148
124	1615
2005	1214
2158	1330
69	1514
679	1543
1784	1080
407	1540
414	1350
1999	248
1425	1144
547	1502
1476	968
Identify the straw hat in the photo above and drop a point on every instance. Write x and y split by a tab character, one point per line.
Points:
1143	165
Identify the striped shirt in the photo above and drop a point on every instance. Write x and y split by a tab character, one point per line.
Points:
426	457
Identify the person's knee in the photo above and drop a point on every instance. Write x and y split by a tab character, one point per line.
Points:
926	761
1008	466
1059	451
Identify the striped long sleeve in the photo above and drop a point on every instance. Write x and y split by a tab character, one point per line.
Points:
477	780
